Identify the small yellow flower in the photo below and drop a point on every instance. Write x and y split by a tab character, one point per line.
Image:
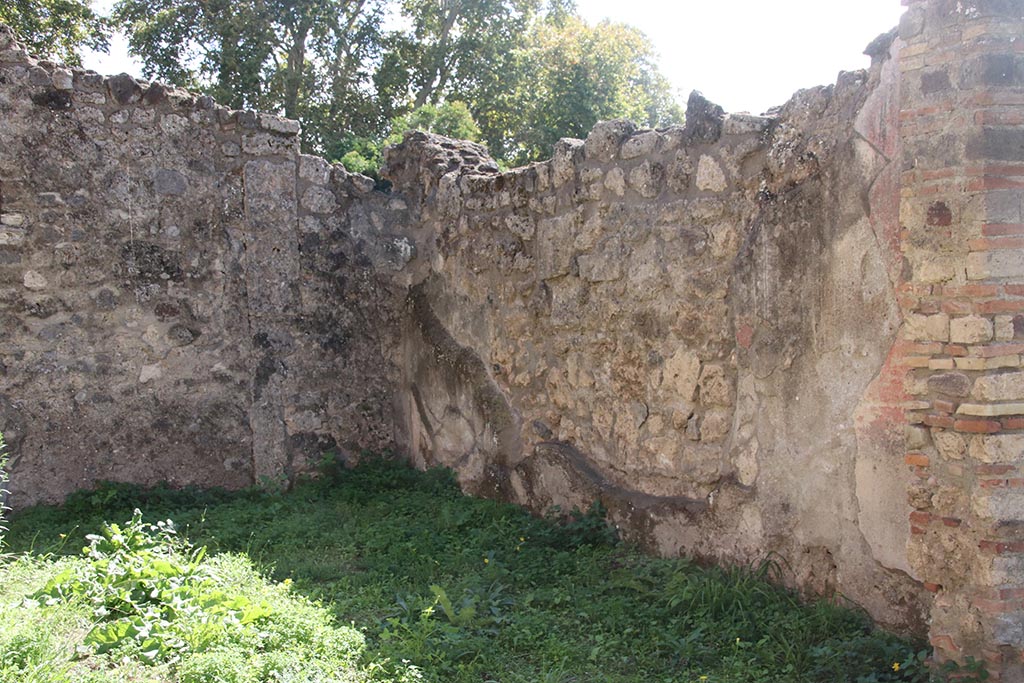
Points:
521	539
703	678
487	560
287	582
895	666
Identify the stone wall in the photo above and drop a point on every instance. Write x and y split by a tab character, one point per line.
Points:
693	325
184	296
797	334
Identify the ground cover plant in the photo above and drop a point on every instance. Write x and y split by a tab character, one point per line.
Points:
383	573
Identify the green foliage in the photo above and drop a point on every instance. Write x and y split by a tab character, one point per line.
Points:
56	29
473	590
4	477
452	119
576	74
153	608
150	592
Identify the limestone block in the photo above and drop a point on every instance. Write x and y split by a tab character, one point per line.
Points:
971	329
926	327
314	169
600	267
150	373
1005	387
950	445
916	437
991	409
63	79
278	124
615	181
710	176
1004	328
647	179
319	200
555	238
998	448
680	169
744	124
716	425
12	237
715	388
1005	263
641	144
34	280
605	139
681	373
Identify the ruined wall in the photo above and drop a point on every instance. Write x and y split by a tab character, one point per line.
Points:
183	296
691	325
796	334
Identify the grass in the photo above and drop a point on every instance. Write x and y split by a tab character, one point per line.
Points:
424	582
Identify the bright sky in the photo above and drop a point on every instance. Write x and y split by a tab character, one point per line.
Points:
746	55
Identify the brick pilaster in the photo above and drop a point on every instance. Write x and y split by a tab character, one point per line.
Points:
962	198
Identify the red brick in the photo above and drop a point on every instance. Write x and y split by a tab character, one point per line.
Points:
932	587
917	459
745	336
938	174
944	421
951	521
971	291
942	642
1002	229
917	531
996	170
956	350
929	306
999	118
992	483
996	350
1001	306
1011	593
977	426
993	470
944	406
923	348
958	307
1002	547
1013	423
1014	290
993	183
918	517
994	606
990	243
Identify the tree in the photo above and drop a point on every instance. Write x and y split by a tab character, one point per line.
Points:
451	119
576	74
461	50
305	59
56	29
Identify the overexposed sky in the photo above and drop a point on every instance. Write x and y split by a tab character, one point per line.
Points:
746	55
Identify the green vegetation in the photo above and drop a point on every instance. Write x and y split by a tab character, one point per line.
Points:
56	28
434	586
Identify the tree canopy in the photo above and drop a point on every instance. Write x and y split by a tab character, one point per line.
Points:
58	29
514	74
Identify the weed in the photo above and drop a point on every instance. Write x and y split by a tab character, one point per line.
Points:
444	588
4	477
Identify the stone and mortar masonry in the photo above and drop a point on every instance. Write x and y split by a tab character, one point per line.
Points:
962	190
799	333
184	296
